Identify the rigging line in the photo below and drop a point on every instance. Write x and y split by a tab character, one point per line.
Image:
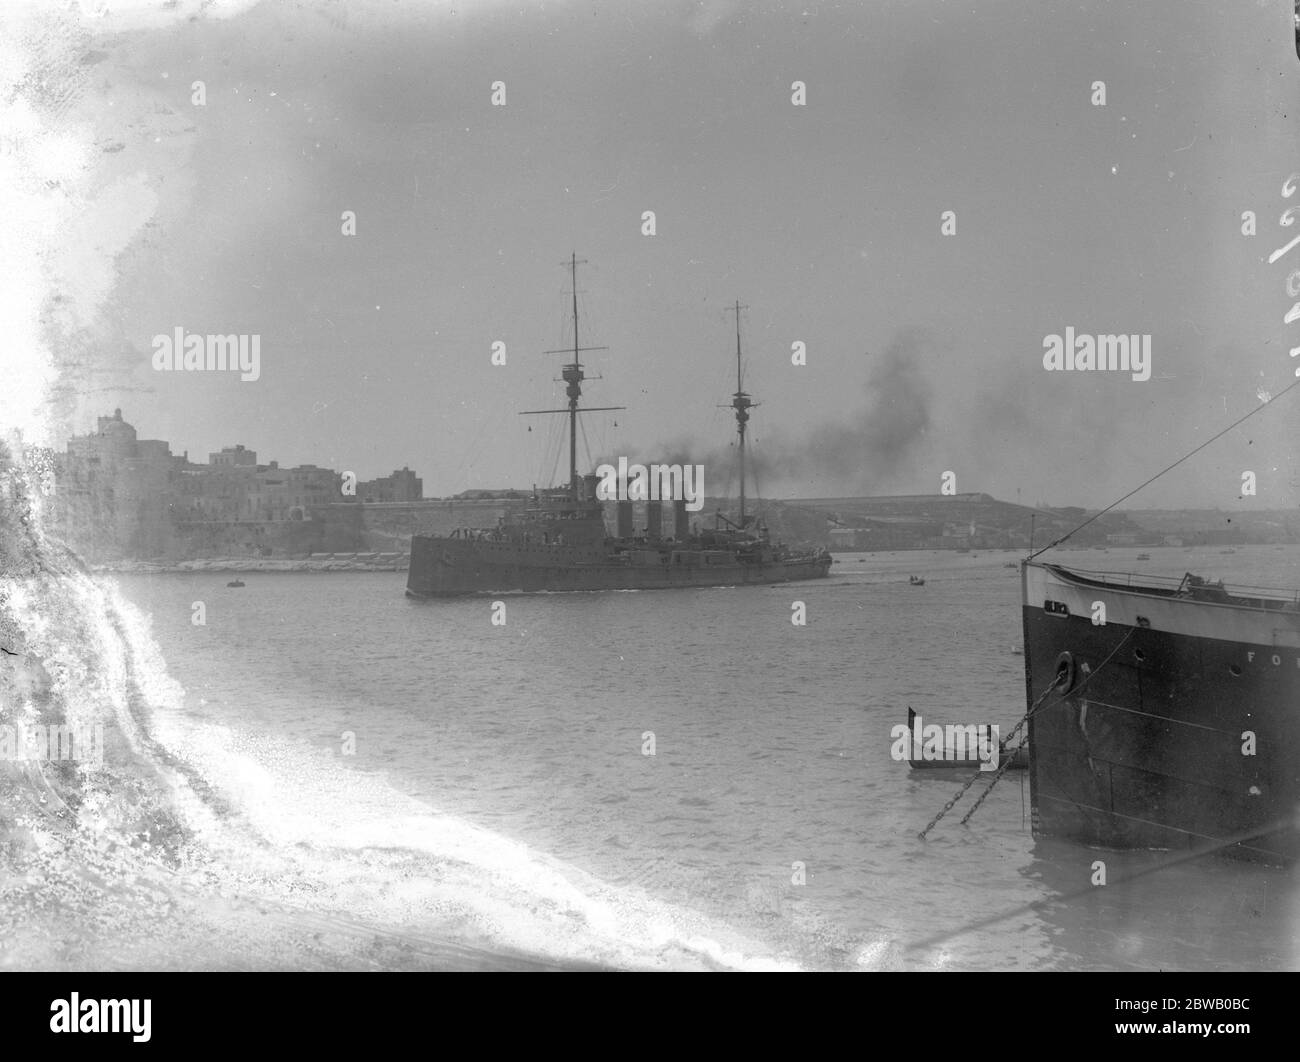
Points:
1190	453
585	444
549	455
559	437
590	321
484	425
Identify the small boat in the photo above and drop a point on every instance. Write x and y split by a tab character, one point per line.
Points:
1018	754
1017	650
235	582
1144	556
914	581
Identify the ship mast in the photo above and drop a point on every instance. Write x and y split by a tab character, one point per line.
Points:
572	375
741	403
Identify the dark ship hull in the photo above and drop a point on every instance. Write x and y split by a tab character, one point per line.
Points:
443	565
1143	742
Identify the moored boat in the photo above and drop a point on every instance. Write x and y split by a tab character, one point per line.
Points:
960	750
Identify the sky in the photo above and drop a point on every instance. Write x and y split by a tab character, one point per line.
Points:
143	211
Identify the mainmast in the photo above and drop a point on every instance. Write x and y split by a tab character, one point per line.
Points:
741	403
572	375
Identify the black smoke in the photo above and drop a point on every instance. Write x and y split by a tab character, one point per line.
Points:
879	443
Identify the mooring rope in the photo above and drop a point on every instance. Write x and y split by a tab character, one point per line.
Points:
1006	763
1168	468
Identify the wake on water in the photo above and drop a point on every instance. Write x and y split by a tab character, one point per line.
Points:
193	846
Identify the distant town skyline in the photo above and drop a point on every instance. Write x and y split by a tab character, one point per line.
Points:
261	461
179	449
118	498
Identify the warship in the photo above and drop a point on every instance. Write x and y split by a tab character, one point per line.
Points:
559	540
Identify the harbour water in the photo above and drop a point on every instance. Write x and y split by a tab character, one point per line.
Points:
386	771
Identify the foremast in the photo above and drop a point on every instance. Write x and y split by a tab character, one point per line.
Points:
572	375
742	404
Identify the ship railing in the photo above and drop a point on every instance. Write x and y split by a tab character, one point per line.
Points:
1138	580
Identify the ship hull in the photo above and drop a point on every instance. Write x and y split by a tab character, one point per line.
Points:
443	567
1177	728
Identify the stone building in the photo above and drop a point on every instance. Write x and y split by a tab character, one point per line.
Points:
117	497
237	456
402	485
112	492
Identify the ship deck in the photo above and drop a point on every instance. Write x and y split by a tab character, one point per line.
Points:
1239	594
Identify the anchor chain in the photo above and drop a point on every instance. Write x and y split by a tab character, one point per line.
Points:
1006	761
1002	768
947	807
975	777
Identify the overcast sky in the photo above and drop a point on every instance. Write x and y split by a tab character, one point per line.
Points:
924	351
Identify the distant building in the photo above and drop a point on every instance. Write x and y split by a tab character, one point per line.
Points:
887	533
403	485
312	485
478	494
118	496
276	494
112	492
232	456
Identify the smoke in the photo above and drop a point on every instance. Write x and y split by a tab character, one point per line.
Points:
881	442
